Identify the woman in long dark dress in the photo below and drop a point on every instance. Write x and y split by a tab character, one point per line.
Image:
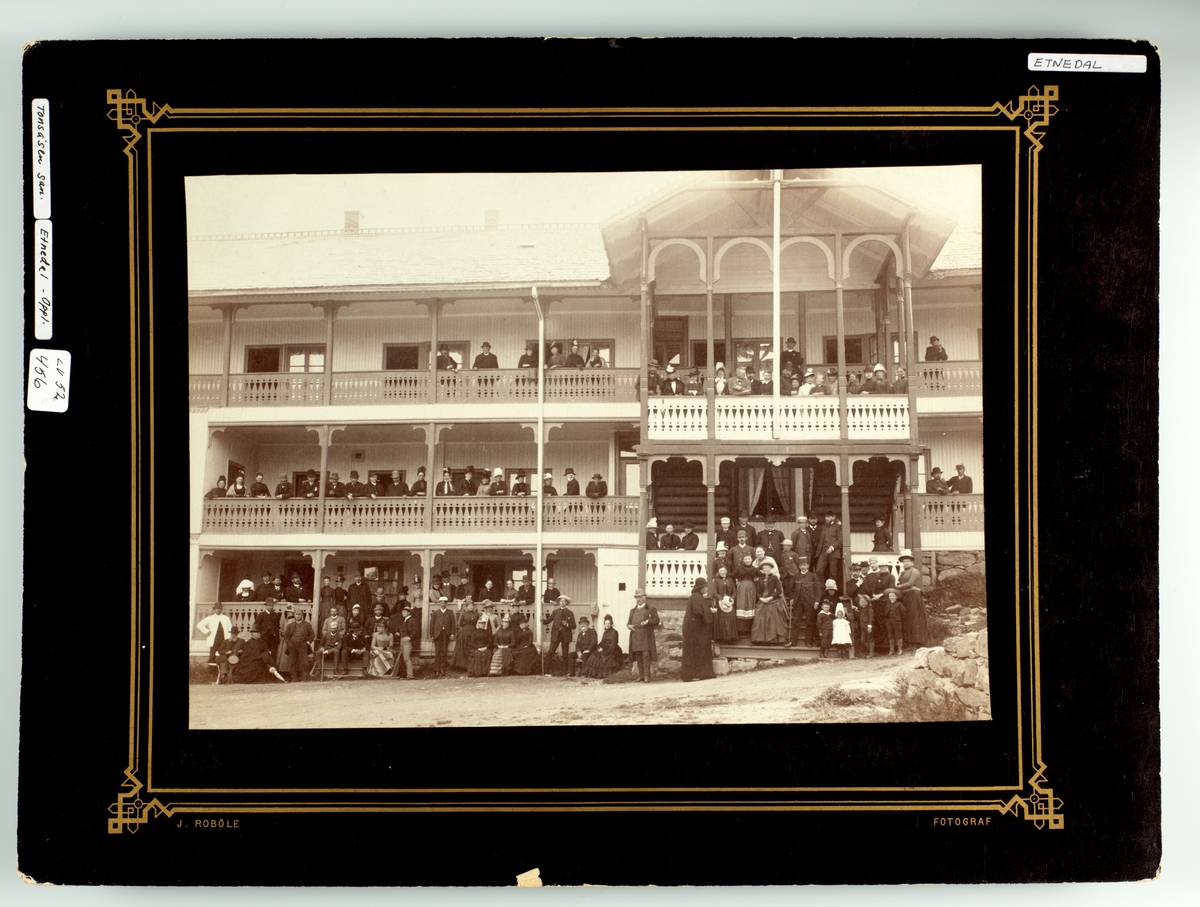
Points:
770	619
480	657
464	641
503	640
696	663
746	575
524	654
607	656
723	590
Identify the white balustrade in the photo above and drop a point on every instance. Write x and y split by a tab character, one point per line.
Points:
673	573
877	417
677	417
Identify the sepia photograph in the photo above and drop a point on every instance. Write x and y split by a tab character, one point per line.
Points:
636	448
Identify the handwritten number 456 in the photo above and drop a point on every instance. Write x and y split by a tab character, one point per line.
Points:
42	379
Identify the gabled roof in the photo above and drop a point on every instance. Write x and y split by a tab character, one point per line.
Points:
963	251
448	256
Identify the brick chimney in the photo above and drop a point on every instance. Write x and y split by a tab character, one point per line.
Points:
352	221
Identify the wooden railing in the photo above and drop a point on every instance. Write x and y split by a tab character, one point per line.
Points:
253	515
500	514
877	416
301	389
577	514
673	572
948	379
748	418
951	513
379	387
241	614
378	515
384	387
677	417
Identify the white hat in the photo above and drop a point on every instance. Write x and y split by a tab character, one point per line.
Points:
768	560
245	586
721	546
879	367
907	553
548	475
498	471
830	584
720	366
653	524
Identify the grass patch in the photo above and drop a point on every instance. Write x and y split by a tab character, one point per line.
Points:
919	708
200	672
966	589
836	697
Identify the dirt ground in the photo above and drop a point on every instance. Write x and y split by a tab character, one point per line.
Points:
795	693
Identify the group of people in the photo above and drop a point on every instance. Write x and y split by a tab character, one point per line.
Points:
486	359
472	483
957	484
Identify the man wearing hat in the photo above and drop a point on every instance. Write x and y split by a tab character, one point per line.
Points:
334	488
726	533
653	379
409	633
276	592
266	623
311	487
259	489
419	487
743	525
398	487
789	567
574	359
486	358
445	362
355	488
296	591
935	352
689	541
916	627
961	483
265	590
765	385
297	636
283	489
561	624
529	357
801	541
333	636
883	536
791	357
597	488
935	484
374	489
359	592
829	560
642	645
806	598
445	488
548	489
770	540
499	487
521	486
585	645
572	483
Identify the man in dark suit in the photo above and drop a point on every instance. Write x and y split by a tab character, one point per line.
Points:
561	623
486	359
334	488
355	488
359	593
829	561
410	637
266	623
548	488
743	525
265	590
801	541
572	483
690	541
526	595
597	488
445	362
961	483
792	358
726	533
283	490
935	352
311	488
398	488
669	541
441	628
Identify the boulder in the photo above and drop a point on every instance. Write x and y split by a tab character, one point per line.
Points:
720	666
953	571
955	558
955	645
980	568
973	698
958	670
927	580
983	679
939	661
921	658
981	643
950	609
972	639
920	679
970	672
934	698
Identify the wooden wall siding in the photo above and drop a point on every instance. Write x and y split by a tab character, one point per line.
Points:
272	332
956	324
206	352
950	447
405	457
358	342
585	457
576	577
224	449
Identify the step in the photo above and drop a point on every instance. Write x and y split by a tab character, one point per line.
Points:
794	653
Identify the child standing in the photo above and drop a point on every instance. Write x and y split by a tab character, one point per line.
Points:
841	632
825	628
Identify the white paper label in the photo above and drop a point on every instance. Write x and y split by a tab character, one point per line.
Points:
49	380
1087	62
40	114
43	280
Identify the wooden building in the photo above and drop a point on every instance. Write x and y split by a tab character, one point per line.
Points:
318	351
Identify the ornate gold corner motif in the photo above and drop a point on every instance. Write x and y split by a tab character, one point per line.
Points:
131	810
129	111
1040	807
1036	107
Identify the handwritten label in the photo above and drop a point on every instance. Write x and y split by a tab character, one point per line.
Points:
40	113
49	380
1087	62
43	280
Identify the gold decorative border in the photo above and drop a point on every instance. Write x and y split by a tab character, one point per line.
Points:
132	114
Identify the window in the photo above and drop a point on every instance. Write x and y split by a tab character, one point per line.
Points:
458	350
310	358
768	491
756	355
859	348
405	356
670	339
700	352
